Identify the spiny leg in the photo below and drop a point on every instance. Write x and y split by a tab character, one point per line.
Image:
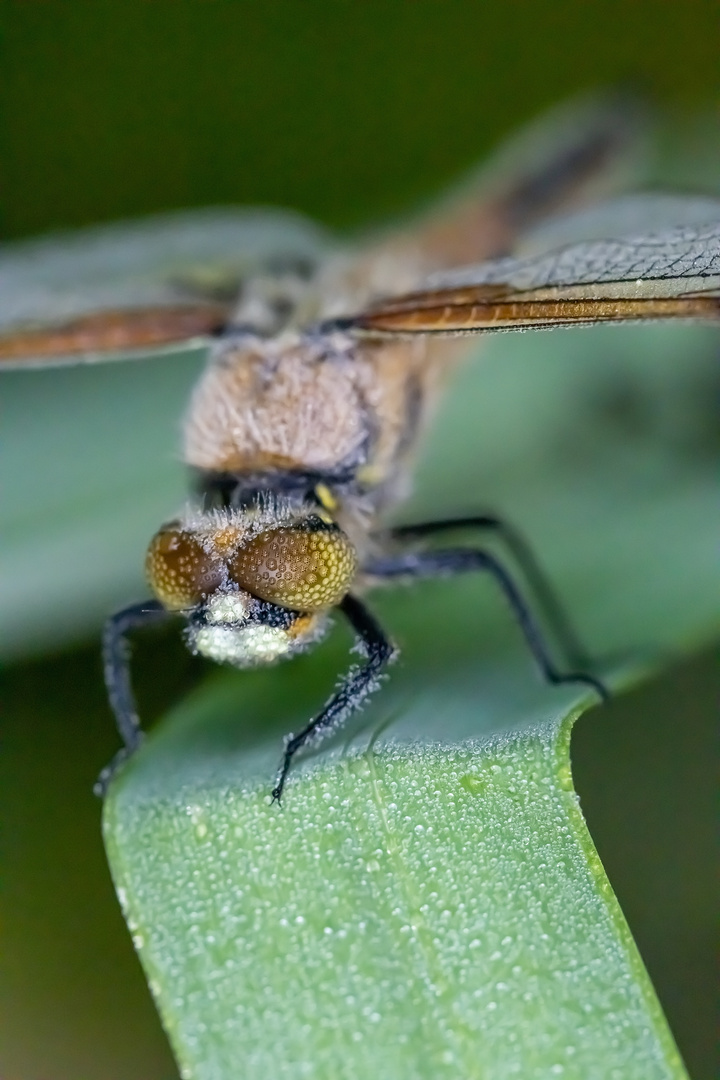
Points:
555	615
353	690
116	665
461	560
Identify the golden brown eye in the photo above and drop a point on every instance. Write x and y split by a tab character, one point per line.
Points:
181	573
298	567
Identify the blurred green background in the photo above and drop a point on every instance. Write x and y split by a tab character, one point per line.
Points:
350	112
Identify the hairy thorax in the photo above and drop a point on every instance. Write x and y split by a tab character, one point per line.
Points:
320	403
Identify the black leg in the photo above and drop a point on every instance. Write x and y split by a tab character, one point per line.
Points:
462	560
116	664
574	652
355	687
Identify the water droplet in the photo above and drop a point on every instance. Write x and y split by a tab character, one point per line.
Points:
472	784
359	767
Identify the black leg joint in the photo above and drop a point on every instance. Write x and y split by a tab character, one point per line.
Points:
116	665
355	687
552	609
461	560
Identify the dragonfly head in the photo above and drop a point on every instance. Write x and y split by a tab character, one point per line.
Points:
252	591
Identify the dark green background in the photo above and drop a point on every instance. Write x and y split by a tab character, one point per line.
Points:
349	111
344	109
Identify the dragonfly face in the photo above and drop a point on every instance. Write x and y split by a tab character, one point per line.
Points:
324	366
256	582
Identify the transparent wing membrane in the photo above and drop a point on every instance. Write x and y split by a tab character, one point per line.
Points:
113	291
670	274
637	213
135	289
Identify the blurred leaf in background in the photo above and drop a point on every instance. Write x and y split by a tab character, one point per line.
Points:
348	112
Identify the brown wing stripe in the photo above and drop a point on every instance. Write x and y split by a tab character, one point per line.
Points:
445	297
517	314
115	331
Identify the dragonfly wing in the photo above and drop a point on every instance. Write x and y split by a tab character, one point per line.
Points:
632	214
132	288
578	152
670	274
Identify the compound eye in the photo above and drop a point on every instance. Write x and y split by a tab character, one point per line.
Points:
303	567
180	571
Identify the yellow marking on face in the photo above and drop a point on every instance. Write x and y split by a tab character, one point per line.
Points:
325	496
302	626
370	475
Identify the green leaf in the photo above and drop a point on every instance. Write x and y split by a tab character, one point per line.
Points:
428	901
90	470
432	910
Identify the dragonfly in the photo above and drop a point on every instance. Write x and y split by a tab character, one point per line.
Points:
325	361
